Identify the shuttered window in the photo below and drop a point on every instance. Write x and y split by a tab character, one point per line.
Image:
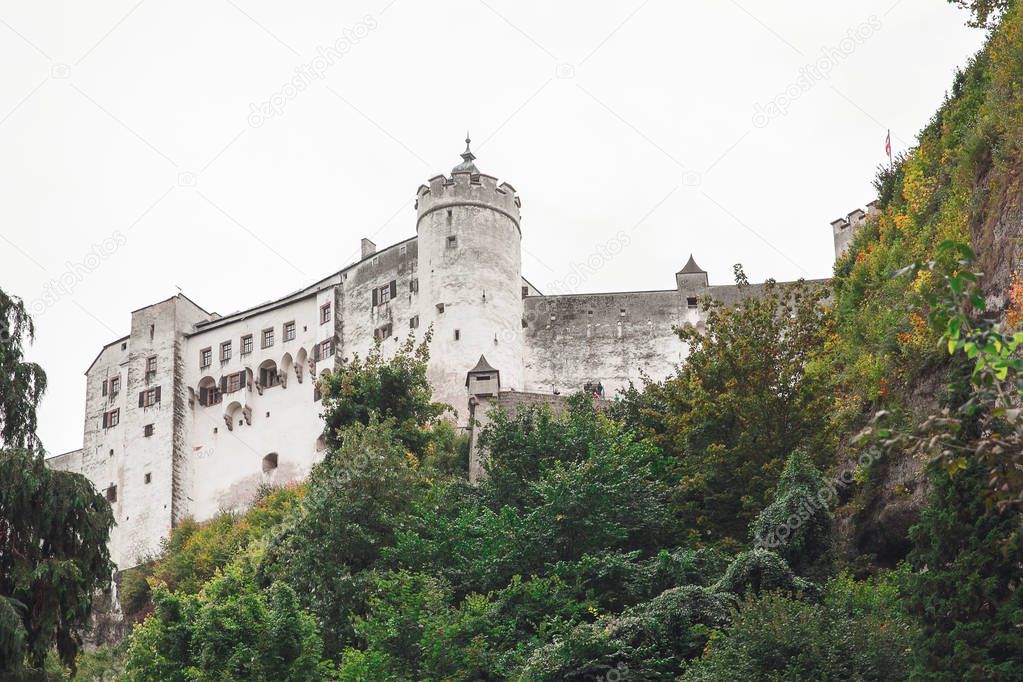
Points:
149	397
385	292
111	418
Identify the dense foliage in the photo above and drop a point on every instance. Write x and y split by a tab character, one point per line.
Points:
753	389
687	531
54	526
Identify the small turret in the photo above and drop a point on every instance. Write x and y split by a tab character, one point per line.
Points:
483	380
484	385
691	277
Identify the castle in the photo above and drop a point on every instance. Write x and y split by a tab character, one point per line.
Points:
191	411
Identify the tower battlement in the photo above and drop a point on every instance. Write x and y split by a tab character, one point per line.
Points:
464	188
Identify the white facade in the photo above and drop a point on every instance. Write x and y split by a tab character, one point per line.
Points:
184	418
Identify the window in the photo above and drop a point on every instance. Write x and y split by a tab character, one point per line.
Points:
246	344
458	334
111	418
233	382
269	462
440	307
205	358
691	302
149	397
413	285
289	331
115	386
384	293
325	313
148	430
414	323
124	346
326	348
268	374
151	367
381	333
111	493
149	478
452	242
208	392
225	351
525	292
268	337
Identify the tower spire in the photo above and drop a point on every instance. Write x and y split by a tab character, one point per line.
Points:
467	165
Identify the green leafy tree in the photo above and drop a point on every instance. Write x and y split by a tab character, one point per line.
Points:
54	526
231	630
394	388
858	631
754	388
650	641
356	499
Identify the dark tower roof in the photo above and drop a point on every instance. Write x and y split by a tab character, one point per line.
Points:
467	165
691	268
482	367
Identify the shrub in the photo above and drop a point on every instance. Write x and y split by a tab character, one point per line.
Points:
857	632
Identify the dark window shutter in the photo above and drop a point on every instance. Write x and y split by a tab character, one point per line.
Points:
142	398
316	352
223	384
105	415
376	293
157	394
104	387
203	396
394	288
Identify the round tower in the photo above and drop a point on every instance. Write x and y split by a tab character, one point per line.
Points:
470	278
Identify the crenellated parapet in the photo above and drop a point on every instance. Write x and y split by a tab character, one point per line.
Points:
467	189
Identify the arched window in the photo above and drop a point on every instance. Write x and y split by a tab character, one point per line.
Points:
209	393
268	374
270	463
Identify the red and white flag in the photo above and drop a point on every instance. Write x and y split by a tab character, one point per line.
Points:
888	146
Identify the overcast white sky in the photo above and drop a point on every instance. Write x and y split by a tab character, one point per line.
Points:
133	122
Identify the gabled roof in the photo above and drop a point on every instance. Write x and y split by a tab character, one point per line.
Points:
482	367
691	268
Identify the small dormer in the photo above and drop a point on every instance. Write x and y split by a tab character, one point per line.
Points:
483	380
691	277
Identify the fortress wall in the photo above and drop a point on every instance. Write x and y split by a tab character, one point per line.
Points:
575	339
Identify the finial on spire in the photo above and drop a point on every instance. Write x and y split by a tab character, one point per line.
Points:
467	165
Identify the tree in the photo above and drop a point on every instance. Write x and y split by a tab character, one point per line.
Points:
797	523
965	589
21	383
230	630
858	631
355	500
754	388
54	526
393	389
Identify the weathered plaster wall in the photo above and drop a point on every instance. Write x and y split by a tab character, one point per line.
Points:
613	339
